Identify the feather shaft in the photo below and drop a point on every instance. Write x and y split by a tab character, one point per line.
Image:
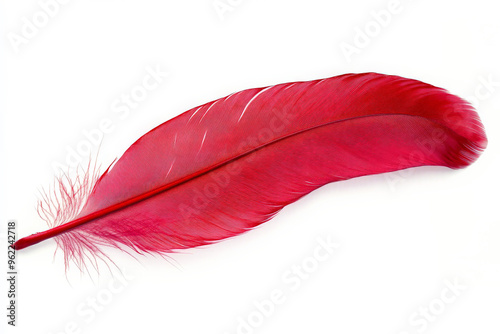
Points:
229	165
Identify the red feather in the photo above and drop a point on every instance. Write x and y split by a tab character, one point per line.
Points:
227	166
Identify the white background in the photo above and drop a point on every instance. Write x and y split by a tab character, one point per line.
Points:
403	237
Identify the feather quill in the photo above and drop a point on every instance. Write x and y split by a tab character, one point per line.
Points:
224	167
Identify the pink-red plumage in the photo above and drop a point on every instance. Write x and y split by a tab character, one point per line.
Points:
220	169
